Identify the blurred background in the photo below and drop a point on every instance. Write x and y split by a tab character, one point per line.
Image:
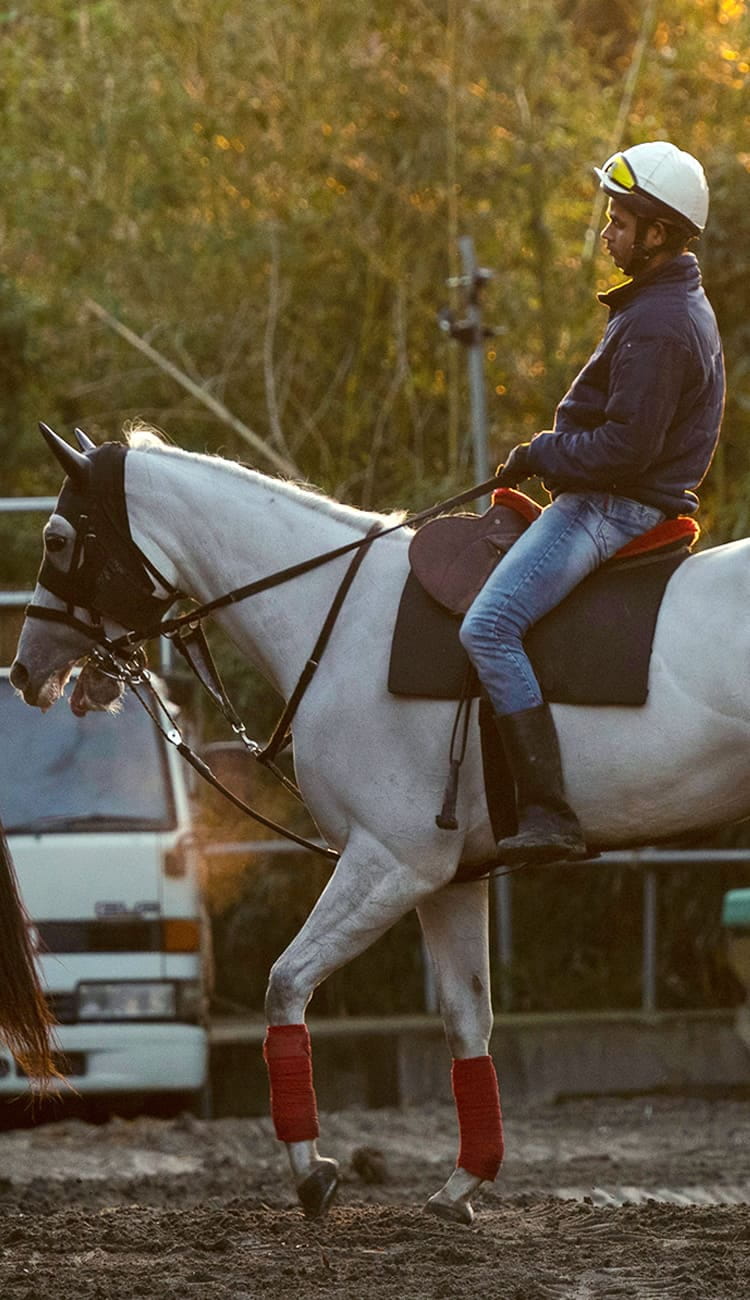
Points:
238	221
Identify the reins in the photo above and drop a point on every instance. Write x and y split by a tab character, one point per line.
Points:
168	627
124	659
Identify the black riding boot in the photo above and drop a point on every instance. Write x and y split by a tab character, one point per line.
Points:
548	829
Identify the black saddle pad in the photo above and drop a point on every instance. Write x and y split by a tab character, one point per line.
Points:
594	648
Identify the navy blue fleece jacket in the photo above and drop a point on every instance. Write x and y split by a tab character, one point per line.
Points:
642	418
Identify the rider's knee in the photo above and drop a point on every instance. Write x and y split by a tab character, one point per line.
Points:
468	633
481	633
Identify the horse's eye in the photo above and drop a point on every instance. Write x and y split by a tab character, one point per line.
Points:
55	543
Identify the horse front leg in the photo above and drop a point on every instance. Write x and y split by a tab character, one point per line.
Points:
288	1056
368	892
455	925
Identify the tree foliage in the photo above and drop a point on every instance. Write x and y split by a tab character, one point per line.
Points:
271	194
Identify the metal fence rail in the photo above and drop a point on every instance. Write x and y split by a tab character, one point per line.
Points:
650	862
15	505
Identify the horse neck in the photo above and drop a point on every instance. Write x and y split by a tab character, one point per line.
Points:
211	527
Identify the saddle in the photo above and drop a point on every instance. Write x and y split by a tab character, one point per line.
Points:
593	648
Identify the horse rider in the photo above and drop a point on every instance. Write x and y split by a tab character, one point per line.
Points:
634	434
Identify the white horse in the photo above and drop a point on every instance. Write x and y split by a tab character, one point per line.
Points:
372	767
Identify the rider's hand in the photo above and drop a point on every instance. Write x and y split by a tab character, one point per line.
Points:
516	467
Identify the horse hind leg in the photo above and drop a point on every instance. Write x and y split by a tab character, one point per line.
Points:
455	925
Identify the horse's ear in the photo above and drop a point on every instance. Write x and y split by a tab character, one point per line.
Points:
84	442
75	465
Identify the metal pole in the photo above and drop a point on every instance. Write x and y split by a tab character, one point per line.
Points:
504	933
473	335
648	965
18	505
429	984
475	353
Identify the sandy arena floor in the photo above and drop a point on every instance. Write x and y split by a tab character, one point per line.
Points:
598	1200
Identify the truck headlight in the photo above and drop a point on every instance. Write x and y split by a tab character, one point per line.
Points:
127	1000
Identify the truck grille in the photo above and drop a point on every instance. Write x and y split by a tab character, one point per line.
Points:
63	1007
115	934
71	1064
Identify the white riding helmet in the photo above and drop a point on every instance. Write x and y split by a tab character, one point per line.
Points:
658	179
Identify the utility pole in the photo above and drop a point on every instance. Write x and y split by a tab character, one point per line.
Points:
471	333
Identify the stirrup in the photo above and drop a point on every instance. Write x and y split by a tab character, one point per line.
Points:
531	847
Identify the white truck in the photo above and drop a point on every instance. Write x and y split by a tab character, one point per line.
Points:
97	815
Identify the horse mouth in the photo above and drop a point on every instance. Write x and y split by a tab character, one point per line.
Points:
78	700
94	692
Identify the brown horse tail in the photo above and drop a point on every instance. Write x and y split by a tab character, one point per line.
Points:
26	1023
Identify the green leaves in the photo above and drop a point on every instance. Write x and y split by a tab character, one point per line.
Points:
272	195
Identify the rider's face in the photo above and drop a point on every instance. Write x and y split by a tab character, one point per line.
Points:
618	236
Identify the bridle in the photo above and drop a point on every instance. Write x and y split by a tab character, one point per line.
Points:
109	576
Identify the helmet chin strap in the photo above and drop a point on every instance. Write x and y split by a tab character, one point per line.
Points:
640	255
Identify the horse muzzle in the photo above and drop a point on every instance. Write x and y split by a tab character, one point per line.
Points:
40	695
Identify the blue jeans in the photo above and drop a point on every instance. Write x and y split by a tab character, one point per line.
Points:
569	540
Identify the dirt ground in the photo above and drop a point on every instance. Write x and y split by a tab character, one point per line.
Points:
598	1200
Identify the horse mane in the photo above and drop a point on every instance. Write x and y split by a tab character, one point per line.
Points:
145	438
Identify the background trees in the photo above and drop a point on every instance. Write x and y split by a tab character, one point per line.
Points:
271	195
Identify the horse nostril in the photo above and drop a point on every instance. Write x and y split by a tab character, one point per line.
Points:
19	677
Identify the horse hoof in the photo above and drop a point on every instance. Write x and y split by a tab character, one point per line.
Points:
316	1192
451	1211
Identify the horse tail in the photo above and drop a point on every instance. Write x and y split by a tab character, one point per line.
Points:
26	1023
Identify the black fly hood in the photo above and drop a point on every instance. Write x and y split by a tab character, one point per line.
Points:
108	575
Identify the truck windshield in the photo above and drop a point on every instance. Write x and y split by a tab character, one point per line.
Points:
62	773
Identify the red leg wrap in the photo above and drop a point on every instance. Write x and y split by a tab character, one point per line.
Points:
288	1058
480	1121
